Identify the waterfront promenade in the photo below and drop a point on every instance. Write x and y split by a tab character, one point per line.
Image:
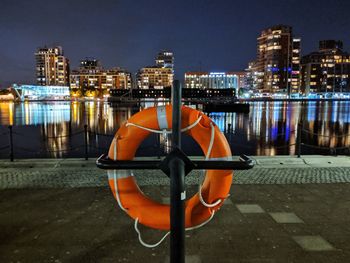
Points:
285	209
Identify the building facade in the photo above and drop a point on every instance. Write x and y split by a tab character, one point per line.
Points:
242	79
277	66
212	80
253	77
41	92
92	80
165	59
52	67
326	70
155	77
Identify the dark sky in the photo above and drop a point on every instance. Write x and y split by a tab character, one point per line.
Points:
214	35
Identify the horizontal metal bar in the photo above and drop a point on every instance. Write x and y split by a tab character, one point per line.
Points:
104	162
125	165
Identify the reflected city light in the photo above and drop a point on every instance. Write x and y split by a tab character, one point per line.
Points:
269	129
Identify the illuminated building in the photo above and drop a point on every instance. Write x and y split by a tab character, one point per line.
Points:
278	61
92	80
155	77
38	92
242	79
5	94
212	80
252	76
159	76
165	59
52	67
326	70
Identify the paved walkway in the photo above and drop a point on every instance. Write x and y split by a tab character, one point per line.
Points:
43	173
259	223
63	211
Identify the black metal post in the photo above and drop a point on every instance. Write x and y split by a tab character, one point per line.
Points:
11	144
86	142
177	184
299	140
70	128
176	122
177	210
158	145
43	131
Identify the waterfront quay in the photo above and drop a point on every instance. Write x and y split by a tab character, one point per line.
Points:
285	209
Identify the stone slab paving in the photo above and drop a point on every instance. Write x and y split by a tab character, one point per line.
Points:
86	225
286	218
228	202
250	208
313	243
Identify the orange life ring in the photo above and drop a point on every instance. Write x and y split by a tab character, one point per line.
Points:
216	185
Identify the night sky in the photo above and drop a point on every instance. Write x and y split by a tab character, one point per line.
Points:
213	35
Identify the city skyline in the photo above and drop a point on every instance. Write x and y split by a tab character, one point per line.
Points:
225	42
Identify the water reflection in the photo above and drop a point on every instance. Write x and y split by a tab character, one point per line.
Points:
270	128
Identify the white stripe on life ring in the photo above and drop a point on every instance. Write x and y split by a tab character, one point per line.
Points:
118	174
161	116
115	149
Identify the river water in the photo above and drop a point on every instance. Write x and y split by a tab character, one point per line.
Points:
56	129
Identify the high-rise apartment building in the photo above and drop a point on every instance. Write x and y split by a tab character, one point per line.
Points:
278	61
253	77
92	80
242	78
155	77
159	76
326	70
212	80
52	67
165	59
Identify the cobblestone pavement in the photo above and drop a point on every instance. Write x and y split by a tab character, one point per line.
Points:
73	173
